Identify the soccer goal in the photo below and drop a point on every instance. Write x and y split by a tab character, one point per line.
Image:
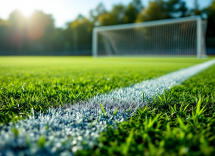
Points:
182	36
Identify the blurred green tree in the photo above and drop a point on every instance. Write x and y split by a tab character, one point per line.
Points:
95	13
17	34
115	16
196	10
41	30
58	40
132	10
210	12
155	11
160	9
78	32
82	29
4	31
176	8
107	19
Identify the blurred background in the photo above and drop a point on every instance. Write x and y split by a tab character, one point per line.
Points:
64	27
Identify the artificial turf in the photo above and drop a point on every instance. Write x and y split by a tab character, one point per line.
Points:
42	82
179	122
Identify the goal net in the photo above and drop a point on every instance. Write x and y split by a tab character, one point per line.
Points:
183	36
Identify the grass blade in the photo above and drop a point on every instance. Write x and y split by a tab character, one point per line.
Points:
103	110
128	142
198	107
115	111
181	124
186	107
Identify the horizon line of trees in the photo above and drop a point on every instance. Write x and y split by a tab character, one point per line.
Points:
38	34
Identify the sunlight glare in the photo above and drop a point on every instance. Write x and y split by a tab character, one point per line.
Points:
27	7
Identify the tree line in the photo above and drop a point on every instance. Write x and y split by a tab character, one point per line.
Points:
38	34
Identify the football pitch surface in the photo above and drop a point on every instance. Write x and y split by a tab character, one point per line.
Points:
179	122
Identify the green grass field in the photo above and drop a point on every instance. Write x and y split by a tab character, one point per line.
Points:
181	122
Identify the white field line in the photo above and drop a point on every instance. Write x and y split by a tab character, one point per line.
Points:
78	126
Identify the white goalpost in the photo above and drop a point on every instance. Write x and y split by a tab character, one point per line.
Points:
171	37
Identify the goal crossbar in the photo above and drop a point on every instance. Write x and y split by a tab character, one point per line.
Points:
198	19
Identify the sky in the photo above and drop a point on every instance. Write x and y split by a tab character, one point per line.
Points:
64	11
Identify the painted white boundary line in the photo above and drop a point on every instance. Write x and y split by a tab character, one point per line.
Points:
79	126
